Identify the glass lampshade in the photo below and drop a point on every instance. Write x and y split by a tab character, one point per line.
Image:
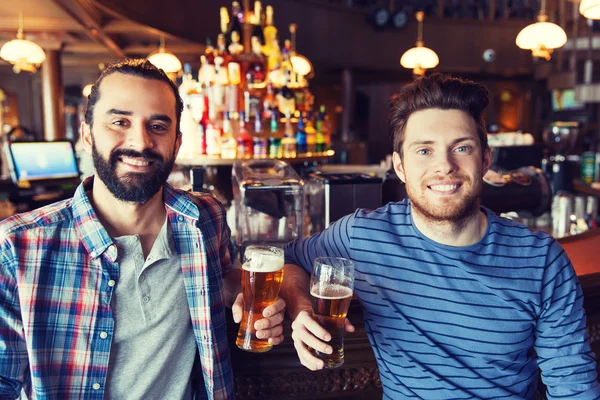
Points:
419	57
590	9
165	60
541	35
21	50
301	65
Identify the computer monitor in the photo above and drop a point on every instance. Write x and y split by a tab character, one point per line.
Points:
41	161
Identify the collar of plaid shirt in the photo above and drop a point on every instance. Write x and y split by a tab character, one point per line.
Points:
58	303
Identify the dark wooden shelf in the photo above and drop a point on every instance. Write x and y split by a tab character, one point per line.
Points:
218	161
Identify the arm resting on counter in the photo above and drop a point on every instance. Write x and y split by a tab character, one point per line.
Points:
562	345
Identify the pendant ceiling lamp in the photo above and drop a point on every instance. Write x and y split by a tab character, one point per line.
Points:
541	37
419	58
590	9
23	54
164	59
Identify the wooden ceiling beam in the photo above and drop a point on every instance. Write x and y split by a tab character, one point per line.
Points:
79	10
125	26
40	25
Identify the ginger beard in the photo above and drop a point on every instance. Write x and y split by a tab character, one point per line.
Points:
453	208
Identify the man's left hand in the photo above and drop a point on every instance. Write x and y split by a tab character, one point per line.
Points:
268	327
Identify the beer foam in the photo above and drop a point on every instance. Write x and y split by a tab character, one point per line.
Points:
330	292
261	259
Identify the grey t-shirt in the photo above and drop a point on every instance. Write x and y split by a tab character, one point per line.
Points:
153	348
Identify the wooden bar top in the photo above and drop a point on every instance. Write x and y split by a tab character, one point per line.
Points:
582	250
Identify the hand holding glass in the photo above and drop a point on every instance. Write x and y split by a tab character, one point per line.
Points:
262	274
331	286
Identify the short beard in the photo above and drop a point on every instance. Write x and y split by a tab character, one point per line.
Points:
459	217
133	187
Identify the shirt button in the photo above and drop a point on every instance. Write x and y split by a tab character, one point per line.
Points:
197	244
111	283
96	386
180	218
146	299
139	257
103	335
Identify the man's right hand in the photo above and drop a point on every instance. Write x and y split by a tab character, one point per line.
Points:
308	332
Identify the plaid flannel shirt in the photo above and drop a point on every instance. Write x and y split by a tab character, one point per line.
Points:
55	267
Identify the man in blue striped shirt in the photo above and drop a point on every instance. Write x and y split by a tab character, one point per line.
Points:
458	303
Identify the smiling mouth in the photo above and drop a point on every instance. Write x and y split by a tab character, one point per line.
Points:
449	189
136	162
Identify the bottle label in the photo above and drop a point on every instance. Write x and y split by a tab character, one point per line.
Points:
213	141
234	73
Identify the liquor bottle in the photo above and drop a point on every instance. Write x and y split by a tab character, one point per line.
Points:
256	21
209	52
213	138
234	67
218	89
190	92
206	73
228	145
269	103
275	149
311	132
300	136
259	149
251	99
270	35
188	83
320	134
235	48
274	61
256	64
188	127
224	20
244	140
221	51
237	18
288	143
286	101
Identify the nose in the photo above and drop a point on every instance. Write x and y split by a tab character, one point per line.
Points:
139	138
444	163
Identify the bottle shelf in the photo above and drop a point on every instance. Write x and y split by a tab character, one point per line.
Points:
218	161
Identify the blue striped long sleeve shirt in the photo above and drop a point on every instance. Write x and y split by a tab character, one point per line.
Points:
463	322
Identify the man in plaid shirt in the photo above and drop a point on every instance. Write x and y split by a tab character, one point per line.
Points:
120	291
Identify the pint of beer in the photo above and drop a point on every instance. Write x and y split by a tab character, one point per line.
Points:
262	274
331	285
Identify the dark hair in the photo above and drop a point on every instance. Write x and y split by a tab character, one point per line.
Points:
443	92
136	67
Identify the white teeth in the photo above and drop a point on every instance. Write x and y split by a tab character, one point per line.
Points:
444	188
137	163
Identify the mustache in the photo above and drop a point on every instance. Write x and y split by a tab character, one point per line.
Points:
147	154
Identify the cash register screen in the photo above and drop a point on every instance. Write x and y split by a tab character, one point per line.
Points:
42	161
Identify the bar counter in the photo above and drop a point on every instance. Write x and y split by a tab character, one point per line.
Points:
278	374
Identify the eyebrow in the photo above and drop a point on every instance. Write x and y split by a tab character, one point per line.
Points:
153	117
161	117
118	112
454	142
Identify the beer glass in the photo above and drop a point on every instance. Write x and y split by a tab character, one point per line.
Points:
262	274
331	285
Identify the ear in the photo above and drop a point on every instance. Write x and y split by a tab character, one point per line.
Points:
398	167
487	160
86	137
178	141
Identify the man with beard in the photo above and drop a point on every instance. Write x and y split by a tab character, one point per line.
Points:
120	291
458	303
